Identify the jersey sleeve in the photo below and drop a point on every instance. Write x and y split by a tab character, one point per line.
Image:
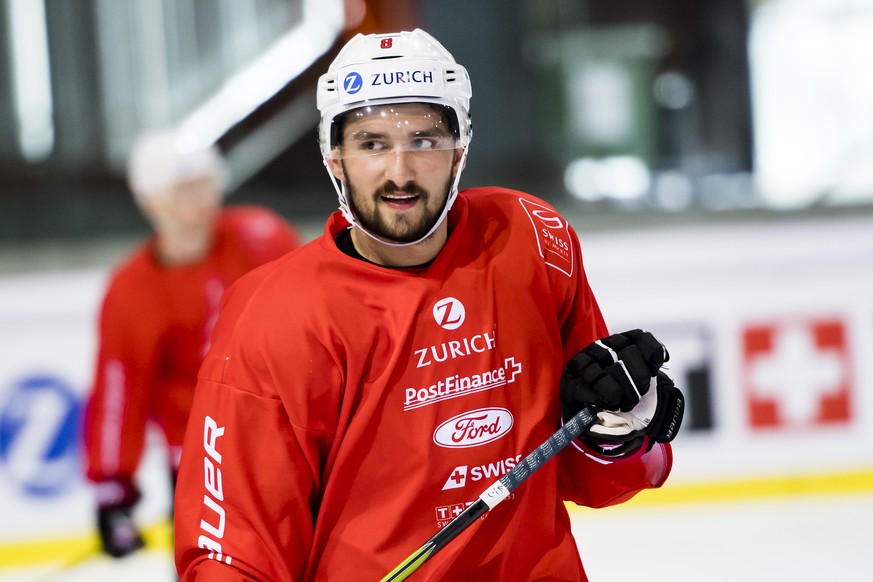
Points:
594	482
582	320
250	475
124	377
244	489
584	478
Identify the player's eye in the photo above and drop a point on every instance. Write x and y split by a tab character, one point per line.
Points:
422	144
373	146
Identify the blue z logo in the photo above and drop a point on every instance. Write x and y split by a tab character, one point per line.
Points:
353	83
39	435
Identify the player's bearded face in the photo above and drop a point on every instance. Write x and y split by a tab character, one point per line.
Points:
402	227
397	163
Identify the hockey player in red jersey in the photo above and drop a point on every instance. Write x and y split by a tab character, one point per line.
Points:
362	391
158	312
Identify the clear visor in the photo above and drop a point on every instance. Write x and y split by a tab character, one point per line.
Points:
415	128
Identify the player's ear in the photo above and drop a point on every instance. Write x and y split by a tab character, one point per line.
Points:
459	161
336	168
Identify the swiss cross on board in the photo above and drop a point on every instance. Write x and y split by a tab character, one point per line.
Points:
797	373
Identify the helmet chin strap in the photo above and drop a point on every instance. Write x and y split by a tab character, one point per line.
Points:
346	208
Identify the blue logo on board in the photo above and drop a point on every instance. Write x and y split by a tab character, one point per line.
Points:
39	435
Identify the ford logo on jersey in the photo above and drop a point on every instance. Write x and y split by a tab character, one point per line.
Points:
378	80
474	428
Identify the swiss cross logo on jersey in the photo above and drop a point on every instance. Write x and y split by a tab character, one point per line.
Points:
797	373
457	478
491	470
449	313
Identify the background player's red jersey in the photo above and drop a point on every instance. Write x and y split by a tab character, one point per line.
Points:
155	324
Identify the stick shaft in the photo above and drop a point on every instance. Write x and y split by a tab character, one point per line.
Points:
451	530
496	493
72	562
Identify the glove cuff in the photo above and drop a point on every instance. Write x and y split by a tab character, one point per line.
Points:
116	493
119	535
612	451
669	413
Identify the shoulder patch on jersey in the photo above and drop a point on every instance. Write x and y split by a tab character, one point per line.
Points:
552	234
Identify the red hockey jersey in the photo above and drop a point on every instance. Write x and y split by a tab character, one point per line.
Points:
346	411
154	329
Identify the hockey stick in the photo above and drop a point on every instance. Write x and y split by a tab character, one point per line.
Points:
69	563
152	534
496	493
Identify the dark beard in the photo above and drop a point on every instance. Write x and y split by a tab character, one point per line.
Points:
403	231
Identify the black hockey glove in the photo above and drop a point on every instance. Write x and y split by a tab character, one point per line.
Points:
620	375
119	535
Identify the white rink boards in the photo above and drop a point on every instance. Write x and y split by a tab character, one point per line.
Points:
770	326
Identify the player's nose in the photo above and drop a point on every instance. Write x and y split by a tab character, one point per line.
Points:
398	167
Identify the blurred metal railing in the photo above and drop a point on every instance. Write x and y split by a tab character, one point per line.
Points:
205	65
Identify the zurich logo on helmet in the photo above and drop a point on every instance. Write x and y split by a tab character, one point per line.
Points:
353	83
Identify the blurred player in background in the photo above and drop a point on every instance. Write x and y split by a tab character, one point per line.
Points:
158	313
361	392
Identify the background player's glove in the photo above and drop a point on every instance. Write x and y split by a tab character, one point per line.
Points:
119	535
620	374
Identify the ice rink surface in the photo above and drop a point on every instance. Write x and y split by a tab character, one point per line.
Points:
798	539
805	538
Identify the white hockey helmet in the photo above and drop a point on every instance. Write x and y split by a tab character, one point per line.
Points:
161	158
386	69
401	67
